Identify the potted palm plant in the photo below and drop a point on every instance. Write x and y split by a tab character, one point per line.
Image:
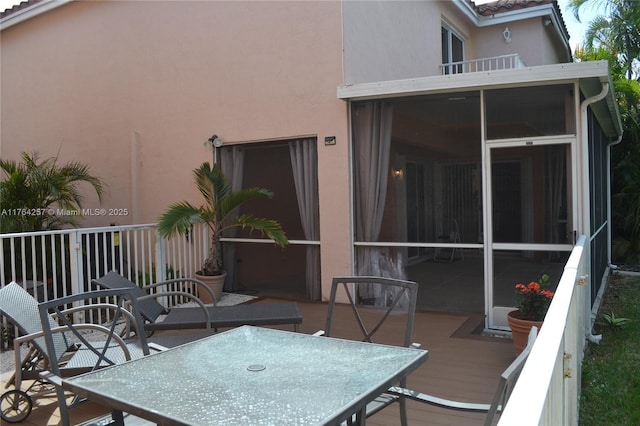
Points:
219	212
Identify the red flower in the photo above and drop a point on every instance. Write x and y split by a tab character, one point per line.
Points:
548	294
533	299
534	287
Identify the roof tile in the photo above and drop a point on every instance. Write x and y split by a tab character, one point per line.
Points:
22	5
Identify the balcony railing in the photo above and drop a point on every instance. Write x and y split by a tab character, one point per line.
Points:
549	386
503	62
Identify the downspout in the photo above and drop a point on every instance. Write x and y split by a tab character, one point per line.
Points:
609	145
586	208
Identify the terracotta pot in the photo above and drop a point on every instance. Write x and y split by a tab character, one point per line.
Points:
215	283
520	329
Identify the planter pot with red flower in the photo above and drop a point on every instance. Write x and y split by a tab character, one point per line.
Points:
532	301
520	329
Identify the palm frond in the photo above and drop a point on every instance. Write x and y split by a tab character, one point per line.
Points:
42	184
233	200
212	184
266	227
178	219
220	212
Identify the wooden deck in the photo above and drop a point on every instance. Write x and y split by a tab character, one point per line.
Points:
461	365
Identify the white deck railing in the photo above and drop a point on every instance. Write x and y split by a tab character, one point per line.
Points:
549	386
52	264
504	62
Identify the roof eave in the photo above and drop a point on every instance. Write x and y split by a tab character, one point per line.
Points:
501	18
30	12
589	74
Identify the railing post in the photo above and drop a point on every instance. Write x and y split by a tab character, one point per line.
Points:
75	261
161	258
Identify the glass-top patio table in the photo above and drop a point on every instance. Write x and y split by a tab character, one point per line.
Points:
251	376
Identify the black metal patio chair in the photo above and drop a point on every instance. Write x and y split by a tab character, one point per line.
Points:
372	301
506	383
114	315
67	350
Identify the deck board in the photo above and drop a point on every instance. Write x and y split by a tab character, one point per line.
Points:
460	366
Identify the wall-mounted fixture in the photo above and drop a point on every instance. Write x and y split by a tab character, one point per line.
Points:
330	140
397	173
546	22
507	35
213	141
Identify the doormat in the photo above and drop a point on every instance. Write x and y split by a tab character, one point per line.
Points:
473	328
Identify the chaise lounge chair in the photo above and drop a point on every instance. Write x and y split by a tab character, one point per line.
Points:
158	317
65	350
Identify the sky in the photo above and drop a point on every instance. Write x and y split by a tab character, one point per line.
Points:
576	29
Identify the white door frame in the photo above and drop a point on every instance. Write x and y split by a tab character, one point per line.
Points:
497	315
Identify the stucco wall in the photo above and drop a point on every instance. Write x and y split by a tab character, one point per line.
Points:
529	38
83	78
391	40
135	88
387	40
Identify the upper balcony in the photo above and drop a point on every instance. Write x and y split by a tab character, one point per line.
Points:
504	62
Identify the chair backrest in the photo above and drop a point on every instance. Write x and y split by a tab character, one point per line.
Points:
120	311
387	297
21	309
119	307
508	379
149	308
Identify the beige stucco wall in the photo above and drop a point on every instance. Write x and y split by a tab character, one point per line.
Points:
392	40
535	43
389	40
135	88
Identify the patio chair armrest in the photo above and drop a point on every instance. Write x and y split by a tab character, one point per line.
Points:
18	341
26	338
178	280
437	401
95	306
202	306
49	377
17	353
129	318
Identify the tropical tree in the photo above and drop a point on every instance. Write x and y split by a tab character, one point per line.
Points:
219	212
615	36
33	193
617	30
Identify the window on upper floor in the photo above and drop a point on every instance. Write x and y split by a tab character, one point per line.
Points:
452	51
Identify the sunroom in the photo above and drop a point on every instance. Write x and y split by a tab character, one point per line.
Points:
471	183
